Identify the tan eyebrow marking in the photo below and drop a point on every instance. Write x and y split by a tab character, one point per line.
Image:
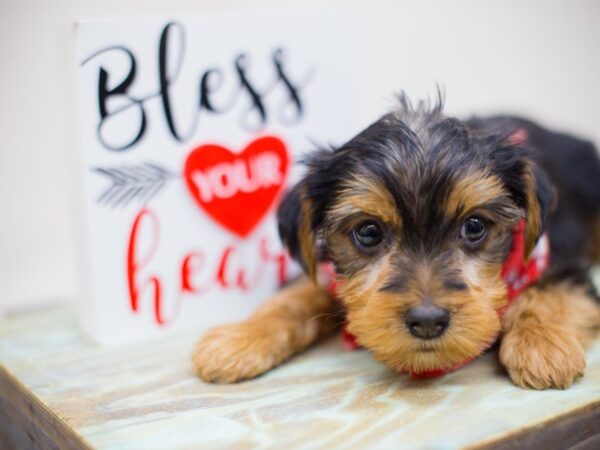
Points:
368	197
474	190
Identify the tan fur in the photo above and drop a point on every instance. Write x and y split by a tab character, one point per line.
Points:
472	191
546	331
288	323
307	242
534	218
377	318
366	197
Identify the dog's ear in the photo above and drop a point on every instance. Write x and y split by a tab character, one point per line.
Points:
294	218
540	201
301	214
528	185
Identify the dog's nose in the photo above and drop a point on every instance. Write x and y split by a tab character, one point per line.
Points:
427	321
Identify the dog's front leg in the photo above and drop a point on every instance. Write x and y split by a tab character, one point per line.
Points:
546	330
289	322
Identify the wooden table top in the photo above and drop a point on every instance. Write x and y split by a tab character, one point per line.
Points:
67	392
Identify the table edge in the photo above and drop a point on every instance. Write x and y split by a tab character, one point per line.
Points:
31	420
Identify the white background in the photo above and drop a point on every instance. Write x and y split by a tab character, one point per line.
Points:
539	58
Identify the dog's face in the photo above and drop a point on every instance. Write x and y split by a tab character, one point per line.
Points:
417	214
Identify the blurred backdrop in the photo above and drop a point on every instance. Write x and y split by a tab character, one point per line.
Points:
537	58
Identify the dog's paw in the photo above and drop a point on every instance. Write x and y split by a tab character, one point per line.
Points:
542	357
240	351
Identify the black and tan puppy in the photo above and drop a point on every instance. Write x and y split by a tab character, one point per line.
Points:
418	214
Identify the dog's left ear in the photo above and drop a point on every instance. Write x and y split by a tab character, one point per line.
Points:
540	199
528	184
294	218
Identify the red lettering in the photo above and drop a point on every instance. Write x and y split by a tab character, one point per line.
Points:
192	264
135	262
229	272
280	258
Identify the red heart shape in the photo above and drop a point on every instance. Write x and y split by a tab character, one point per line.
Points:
237	190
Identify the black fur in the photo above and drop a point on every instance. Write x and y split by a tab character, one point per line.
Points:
570	167
417	154
288	218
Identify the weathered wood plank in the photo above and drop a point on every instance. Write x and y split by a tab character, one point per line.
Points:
579	428
27	423
145	396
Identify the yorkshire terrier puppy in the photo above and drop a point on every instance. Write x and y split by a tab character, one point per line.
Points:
418	215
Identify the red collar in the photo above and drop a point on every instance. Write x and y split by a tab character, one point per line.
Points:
517	272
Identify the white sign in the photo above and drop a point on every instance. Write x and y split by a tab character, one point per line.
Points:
190	130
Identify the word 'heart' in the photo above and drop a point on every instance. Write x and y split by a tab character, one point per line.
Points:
237	190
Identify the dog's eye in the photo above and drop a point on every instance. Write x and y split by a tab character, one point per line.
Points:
473	230
368	234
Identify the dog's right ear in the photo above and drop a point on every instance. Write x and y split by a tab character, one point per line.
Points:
302	209
294	217
528	184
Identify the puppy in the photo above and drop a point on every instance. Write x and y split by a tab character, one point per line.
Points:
419	214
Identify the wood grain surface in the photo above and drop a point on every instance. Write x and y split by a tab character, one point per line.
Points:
60	391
